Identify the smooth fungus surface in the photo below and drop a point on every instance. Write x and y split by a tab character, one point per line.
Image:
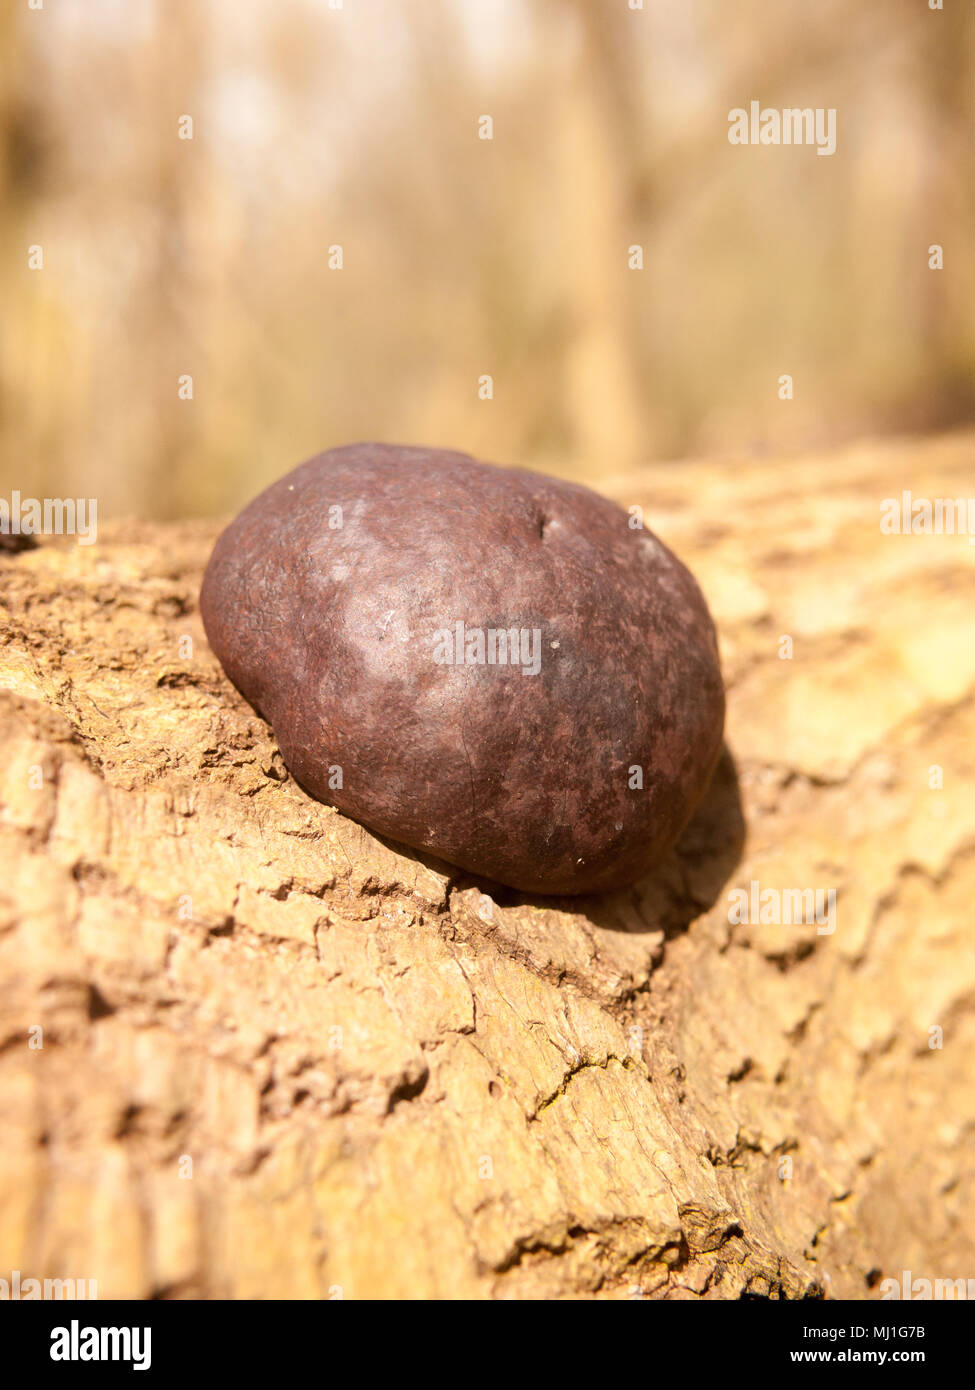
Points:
482	663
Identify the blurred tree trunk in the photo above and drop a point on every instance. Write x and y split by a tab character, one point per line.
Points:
604	400
178	213
945	206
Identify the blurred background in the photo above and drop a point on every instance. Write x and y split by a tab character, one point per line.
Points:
318	124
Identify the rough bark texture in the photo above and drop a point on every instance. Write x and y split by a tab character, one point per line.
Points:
282	1058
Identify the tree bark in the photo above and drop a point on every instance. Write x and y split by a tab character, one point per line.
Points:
249	1050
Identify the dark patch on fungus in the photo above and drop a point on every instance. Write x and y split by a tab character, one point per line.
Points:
339	600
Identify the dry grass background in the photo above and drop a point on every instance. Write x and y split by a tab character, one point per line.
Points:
357	126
